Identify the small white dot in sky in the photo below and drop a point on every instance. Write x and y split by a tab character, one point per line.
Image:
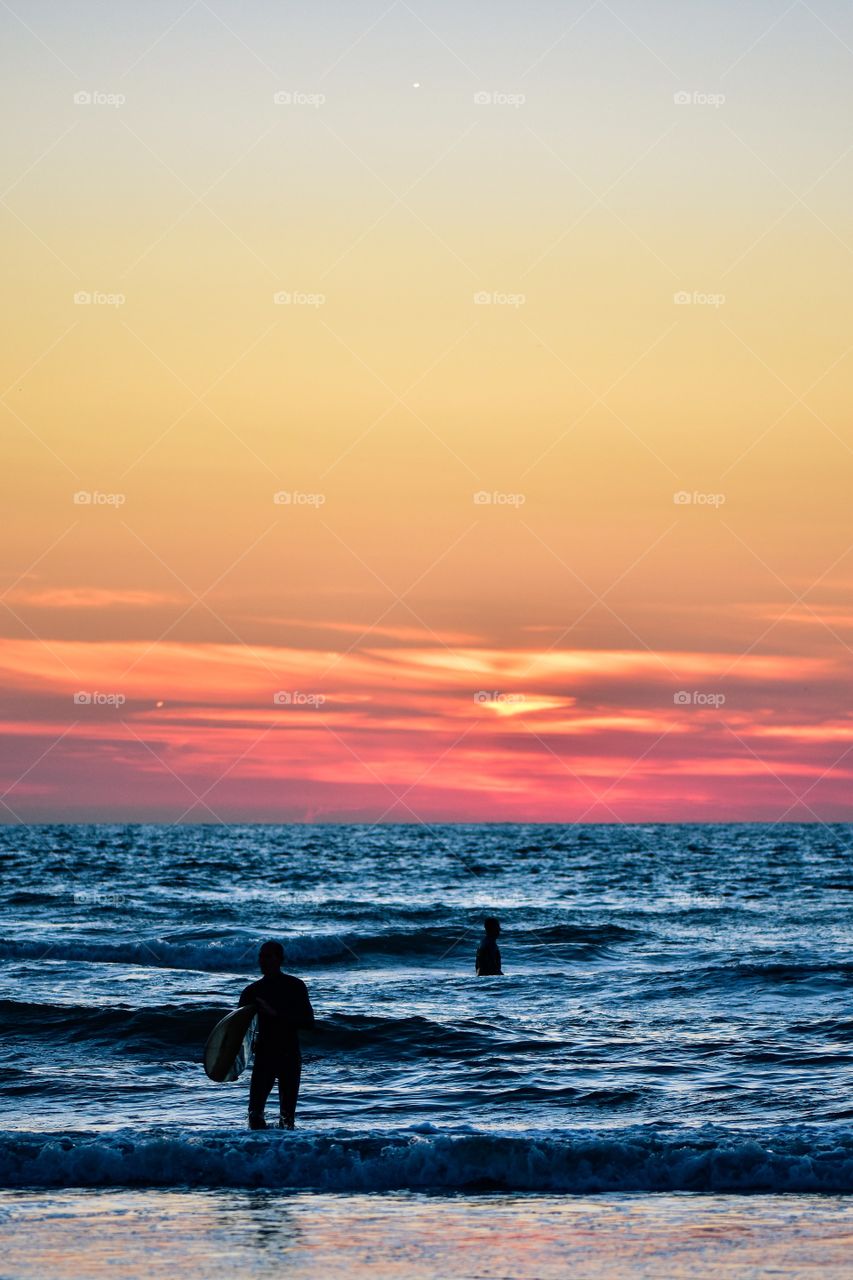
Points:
416	85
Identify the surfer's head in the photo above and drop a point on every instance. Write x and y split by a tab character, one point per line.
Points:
492	926
271	957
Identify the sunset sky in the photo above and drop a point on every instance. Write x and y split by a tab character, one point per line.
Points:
421	412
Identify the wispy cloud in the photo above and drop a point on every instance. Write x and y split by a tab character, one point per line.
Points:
503	733
91	597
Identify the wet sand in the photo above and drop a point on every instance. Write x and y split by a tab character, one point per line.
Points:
214	1234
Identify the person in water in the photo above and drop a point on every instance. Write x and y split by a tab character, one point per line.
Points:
488	955
283	1011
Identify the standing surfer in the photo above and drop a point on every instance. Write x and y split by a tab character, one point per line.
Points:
283	1010
488	961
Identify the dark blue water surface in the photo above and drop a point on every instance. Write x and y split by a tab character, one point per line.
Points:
676	1008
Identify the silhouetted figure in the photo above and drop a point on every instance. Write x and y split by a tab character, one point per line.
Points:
488	955
283	1009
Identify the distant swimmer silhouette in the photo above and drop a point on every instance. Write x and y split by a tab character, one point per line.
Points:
488	955
283	1010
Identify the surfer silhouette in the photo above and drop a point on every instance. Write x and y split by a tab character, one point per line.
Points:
283	1010
488	963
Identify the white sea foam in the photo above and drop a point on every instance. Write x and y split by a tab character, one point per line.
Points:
633	1160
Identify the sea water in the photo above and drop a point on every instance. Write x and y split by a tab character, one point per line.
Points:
674	1016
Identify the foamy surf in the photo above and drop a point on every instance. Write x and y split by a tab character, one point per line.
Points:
583	1163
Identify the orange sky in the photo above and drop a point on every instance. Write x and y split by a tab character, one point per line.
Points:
508	361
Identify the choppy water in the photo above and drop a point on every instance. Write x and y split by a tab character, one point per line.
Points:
676	1011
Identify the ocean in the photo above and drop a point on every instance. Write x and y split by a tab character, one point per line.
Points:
673	1035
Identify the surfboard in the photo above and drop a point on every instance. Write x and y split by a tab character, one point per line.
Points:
228	1050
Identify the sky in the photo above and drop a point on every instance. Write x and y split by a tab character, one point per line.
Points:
426	412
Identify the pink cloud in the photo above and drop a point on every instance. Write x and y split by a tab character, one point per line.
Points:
429	733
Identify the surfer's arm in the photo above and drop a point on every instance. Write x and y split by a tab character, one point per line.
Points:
248	996
304	1019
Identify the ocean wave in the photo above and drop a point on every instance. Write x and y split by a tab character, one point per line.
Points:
183	1028
218	955
417	1037
781	972
577	935
131	1029
236	951
583	1163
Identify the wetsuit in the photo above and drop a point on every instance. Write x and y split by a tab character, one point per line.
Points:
277	1052
489	959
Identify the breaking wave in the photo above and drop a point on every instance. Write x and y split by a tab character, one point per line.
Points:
584	1163
237	951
